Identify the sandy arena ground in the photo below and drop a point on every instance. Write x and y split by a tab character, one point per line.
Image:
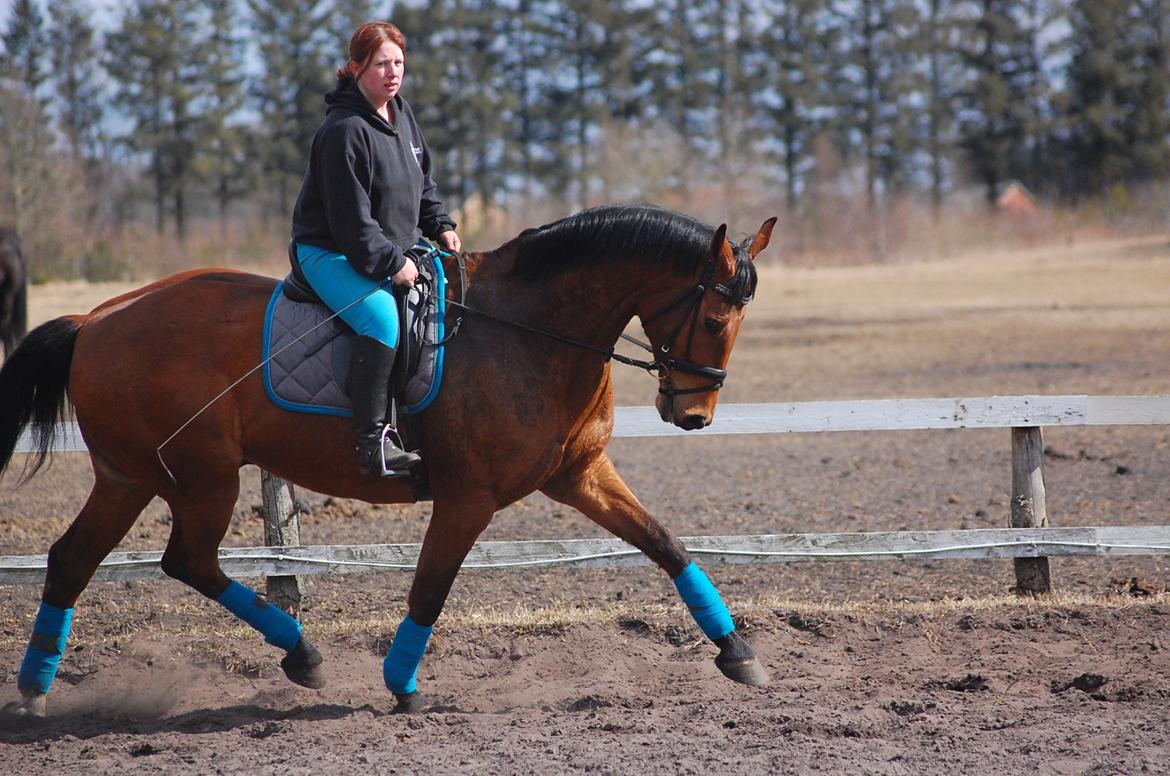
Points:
884	667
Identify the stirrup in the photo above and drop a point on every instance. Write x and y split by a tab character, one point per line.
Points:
394	462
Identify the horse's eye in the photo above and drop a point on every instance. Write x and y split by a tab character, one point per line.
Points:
713	325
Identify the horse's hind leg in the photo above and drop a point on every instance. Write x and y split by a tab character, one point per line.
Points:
596	489
201	517
112	507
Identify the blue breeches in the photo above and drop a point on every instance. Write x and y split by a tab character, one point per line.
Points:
339	284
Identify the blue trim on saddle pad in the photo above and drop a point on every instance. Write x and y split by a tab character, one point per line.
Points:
266	355
439	332
49	635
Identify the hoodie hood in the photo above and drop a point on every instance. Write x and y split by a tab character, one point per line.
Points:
348	97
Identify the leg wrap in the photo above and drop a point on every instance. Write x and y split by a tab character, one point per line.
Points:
279	629
703	600
45	648
406	652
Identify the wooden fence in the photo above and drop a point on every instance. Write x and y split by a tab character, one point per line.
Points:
1028	540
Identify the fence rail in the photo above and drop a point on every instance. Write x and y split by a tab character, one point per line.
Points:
864	415
1029	540
611	553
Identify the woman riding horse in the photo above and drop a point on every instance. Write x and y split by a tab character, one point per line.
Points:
367	192
526	404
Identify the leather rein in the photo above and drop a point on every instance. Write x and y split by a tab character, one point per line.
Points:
664	364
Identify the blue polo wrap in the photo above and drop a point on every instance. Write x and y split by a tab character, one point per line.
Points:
279	628
703	600
400	667
45	648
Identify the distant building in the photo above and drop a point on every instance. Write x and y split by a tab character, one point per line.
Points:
1015	200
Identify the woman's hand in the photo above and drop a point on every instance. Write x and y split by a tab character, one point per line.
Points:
406	275
450	241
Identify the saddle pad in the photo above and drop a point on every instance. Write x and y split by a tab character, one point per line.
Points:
307	351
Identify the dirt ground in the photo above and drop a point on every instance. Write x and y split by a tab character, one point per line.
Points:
887	667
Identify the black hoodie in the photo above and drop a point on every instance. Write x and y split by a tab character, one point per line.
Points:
368	191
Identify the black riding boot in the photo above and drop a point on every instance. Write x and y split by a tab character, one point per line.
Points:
369	389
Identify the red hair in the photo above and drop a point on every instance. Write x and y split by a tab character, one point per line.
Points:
366	41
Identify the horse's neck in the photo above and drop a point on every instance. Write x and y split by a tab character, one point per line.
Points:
591	304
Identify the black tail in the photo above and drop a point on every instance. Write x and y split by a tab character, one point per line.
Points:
33	384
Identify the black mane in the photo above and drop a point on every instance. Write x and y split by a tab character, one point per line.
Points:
623	233
614	232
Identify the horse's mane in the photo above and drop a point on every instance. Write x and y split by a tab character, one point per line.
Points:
613	232
622	233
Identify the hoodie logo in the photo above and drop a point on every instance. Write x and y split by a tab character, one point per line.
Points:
417	155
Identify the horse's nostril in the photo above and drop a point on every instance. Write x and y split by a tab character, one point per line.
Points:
693	422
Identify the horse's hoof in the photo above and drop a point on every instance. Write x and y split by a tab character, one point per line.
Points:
30	706
411	703
745	671
302	665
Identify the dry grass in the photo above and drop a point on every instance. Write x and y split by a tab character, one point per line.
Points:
202	635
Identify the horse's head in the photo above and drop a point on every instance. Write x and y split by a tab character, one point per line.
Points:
692	331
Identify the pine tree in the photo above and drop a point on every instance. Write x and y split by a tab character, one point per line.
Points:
24	159
881	85
794	84
76	79
1097	74
26	49
942	72
299	47
158	57
1144	94
224	160
991	126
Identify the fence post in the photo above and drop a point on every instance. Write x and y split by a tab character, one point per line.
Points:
1029	509
282	528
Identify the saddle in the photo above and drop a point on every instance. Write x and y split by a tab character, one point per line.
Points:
307	347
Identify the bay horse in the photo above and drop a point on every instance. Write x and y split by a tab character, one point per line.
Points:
13	290
518	412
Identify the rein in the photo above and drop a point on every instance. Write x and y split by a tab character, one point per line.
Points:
609	353
664	365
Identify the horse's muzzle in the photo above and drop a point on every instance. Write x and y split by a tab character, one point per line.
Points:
694	422
690	419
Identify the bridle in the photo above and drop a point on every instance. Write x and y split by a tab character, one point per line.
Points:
688	301
664	364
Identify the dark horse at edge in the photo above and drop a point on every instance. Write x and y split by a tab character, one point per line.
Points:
13	290
518	412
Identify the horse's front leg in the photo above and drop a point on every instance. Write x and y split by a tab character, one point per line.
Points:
596	489
452	532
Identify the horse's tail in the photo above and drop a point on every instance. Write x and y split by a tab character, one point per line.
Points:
33	389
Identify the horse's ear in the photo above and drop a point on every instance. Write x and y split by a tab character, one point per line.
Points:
762	238
722	254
